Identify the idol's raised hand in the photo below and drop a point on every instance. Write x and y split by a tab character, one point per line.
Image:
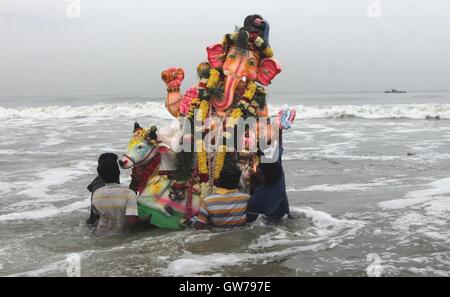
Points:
173	77
285	118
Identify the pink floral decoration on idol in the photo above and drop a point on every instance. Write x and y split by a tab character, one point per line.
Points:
186	100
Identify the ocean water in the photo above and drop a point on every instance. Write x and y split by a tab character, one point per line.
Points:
368	177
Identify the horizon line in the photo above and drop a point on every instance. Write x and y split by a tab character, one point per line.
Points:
272	92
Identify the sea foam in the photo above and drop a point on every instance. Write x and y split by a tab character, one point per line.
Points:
327	232
424	211
155	109
158	110
46	212
384	111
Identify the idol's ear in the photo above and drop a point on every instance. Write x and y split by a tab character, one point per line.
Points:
216	55
268	69
163	148
137	127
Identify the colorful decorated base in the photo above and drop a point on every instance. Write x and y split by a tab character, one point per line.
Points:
160	219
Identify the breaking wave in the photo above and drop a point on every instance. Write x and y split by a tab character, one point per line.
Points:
382	111
132	110
157	109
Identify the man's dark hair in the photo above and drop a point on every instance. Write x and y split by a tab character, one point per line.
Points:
107	156
108	169
230	176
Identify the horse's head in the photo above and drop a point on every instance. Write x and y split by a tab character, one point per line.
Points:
142	147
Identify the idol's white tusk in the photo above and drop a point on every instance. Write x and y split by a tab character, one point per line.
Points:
226	72
244	78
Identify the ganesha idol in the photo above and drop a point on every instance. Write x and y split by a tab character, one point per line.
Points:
231	87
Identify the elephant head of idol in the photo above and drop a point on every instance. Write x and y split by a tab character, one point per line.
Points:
243	56
142	148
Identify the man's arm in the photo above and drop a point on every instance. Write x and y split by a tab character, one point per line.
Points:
201	221
131	213
135	221
197	224
132	220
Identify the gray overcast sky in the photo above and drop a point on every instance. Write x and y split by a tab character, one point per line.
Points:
120	47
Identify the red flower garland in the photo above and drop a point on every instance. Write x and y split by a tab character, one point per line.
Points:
140	175
188	215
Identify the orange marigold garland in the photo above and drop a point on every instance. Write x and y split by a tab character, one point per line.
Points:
220	161
214	78
202	157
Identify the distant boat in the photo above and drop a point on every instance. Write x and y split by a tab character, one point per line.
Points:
394	91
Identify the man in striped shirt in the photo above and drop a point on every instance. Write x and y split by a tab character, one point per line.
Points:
116	205
227	207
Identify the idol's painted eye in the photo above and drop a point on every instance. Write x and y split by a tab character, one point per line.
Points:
140	147
232	56
251	62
